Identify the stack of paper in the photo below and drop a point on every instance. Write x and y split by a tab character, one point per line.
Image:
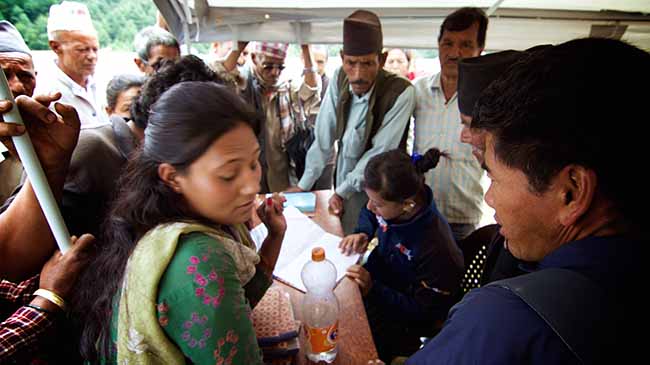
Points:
301	236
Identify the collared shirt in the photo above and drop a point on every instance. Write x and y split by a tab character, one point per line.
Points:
84	100
352	160
22	329
455	183
492	325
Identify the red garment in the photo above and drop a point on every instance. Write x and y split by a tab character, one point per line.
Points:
21	330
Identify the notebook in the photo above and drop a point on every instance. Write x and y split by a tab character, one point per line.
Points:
304	201
301	236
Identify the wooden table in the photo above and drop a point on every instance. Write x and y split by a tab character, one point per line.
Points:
355	340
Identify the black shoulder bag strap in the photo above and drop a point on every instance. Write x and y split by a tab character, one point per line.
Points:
570	303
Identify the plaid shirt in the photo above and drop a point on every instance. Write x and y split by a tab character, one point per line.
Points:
21	330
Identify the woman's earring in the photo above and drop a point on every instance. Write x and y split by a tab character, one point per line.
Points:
409	207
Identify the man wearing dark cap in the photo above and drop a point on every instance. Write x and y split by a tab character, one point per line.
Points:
366	110
485	249
16	62
475	75
456	186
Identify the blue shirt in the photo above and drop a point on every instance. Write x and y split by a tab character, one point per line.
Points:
491	325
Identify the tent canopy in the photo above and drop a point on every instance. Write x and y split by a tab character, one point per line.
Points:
411	24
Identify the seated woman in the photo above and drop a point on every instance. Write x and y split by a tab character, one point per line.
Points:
178	273
411	277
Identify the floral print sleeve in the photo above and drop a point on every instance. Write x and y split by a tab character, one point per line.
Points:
202	306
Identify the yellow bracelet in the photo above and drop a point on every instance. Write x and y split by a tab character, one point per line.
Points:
52	297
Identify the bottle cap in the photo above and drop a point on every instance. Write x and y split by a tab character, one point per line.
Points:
318	254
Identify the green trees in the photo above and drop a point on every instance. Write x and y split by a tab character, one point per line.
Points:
117	21
30	18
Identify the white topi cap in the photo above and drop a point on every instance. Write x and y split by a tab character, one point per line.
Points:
69	16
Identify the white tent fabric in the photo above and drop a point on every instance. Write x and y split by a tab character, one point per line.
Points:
411	24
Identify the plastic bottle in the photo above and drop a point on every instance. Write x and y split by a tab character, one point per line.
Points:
320	307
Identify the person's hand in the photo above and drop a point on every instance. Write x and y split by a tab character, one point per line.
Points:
335	205
60	272
54	137
241	45
8	130
361	276
271	214
294	189
357	242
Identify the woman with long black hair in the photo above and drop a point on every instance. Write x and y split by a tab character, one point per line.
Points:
176	278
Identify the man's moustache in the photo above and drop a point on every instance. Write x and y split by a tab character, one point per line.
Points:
359	82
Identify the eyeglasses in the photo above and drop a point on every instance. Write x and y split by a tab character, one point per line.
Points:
271	66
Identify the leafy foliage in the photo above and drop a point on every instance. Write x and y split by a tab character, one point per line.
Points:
117	21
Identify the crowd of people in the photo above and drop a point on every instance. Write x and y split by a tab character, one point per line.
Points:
159	183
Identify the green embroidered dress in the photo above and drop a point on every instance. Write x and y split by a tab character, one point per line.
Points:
201	311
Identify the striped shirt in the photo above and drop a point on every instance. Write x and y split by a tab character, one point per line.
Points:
455	183
20	332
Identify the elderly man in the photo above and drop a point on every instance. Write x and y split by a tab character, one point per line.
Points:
16	62
153	44
366	109
73	39
558	161
456	185
282	105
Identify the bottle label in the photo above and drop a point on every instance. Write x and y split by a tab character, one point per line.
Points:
322	339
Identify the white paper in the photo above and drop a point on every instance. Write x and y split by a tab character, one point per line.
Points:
301	236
